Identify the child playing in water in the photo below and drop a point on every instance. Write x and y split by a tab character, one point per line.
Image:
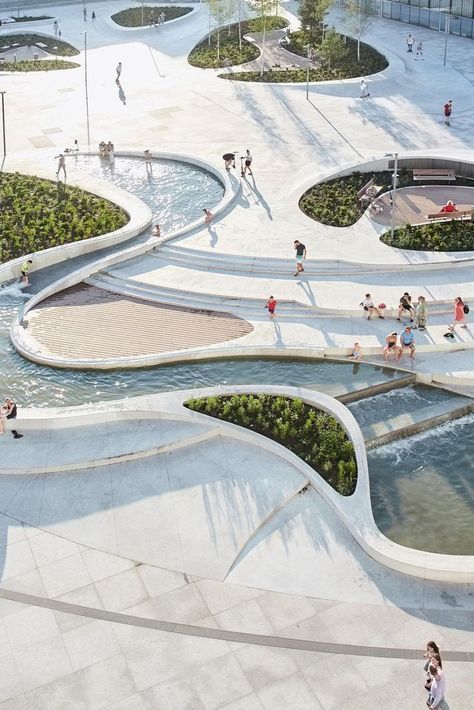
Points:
356	353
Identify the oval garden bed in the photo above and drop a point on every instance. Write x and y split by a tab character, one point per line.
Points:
313	435
132	17
39	65
52	45
222	47
38	214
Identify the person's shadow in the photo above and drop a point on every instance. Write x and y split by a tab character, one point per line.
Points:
278	338
260	198
213	234
121	92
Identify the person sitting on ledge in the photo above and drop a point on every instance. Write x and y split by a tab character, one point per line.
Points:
448	207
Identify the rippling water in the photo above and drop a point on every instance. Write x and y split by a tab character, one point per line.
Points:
175	192
422	489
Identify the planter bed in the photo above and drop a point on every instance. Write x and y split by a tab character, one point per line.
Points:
315	436
44	42
38	214
204	55
132	17
38	65
439	236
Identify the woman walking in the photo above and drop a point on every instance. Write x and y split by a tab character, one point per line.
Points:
459	314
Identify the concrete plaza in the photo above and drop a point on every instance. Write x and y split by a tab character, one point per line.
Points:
198	573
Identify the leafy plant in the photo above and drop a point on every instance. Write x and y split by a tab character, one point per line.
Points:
40	65
132	17
52	45
223	47
37	214
437	236
315	436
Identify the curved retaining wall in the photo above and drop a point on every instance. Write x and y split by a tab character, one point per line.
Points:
194	8
355	512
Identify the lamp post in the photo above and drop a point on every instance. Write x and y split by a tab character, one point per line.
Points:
3	124
262	65
87	90
56	53
308	51
394	189
142	14
447	28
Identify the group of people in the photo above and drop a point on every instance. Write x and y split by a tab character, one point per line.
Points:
419	46
245	162
435	683
106	150
153	21
8	411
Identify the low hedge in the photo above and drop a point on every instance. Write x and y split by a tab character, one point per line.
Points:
39	65
31	18
437	236
313	435
204	55
64	49
132	17
37	214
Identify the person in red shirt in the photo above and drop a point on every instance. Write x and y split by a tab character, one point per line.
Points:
447	110
449	207
270	306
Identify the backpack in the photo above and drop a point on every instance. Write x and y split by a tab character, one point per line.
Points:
466	308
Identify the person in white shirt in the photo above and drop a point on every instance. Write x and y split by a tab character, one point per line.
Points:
368	306
438	687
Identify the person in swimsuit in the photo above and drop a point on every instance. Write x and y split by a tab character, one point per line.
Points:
207	215
356	353
390	346
247	163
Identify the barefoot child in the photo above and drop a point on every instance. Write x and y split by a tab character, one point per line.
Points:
270	306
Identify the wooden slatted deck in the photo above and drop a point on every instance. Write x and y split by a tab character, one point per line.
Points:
87	322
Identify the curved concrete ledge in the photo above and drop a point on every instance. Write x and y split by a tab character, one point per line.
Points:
355	512
140	218
194	9
231	191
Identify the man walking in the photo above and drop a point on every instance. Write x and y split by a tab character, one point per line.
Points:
118	69
419	49
162	18
61	165
300	256
9	409
447	110
364	89
247	163
410	43
84	13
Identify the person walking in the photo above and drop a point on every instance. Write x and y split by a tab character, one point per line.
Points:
460	313
271	306
162	18
25	267
9	410
84	13
419	50
148	158
55	28
118	69
448	110
437	687
61	165
247	163
421	313
364	89
410	43
229	161
93	16
300	256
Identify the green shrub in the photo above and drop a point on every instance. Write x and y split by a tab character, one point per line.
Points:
47	43
30	18
204	55
40	65
315	436
132	17
437	236
38	214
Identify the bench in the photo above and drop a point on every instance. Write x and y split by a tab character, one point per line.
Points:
369	192
422	174
458	214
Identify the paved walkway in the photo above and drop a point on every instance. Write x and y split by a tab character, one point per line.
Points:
414	203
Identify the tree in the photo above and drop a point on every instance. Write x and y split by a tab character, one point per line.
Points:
221	11
333	47
358	18
264	7
312	14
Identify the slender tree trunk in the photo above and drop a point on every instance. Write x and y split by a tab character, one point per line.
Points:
218	43
240	26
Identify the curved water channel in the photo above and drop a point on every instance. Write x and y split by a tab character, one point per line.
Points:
411	480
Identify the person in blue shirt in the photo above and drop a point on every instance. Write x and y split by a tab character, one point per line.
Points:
407	342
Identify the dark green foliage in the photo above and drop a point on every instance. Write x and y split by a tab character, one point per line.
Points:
40	65
32	40
37	214
204	55
315	436
437	236
133	16
31	18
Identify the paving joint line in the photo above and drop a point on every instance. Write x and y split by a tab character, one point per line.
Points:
227	635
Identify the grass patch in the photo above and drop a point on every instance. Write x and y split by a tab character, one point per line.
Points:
315	436
64	49
438	236
31	18
39	65
132	17
204	55
38	214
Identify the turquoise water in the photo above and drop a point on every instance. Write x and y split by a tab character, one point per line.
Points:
175	192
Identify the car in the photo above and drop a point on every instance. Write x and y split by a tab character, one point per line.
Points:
6	20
